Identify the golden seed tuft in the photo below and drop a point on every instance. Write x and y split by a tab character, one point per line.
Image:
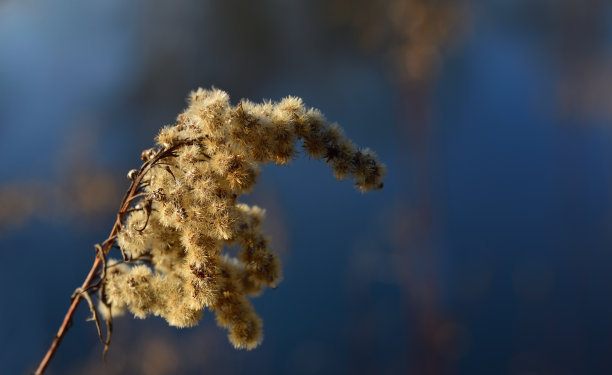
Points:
175	235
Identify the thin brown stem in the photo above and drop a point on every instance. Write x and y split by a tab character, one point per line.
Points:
106	246
68	318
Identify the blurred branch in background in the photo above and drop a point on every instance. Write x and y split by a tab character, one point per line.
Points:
414	36
21	202
581	37
84	197
585	89
82	192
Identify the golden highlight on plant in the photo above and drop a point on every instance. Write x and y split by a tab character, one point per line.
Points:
182	209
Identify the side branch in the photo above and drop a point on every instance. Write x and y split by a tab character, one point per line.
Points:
68	318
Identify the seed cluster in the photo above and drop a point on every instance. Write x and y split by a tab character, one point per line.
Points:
175	235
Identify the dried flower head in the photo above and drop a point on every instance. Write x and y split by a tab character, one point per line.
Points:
189	210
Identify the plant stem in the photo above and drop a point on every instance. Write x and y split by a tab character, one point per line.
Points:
129	196
68	318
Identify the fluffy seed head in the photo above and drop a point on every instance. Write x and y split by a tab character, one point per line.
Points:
200	167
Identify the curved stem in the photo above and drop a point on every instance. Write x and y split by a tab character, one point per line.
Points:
67	320
130	194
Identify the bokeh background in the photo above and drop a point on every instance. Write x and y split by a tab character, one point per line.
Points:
489	250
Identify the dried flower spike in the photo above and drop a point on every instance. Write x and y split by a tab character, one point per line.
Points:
182	208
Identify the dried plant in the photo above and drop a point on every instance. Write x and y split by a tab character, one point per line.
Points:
182	209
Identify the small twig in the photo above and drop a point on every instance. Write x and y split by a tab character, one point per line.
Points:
101	255
109	326
94	316
147	208
137	196
166	167
142	186
106	241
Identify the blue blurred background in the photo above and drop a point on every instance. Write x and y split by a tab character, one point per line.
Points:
487	252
